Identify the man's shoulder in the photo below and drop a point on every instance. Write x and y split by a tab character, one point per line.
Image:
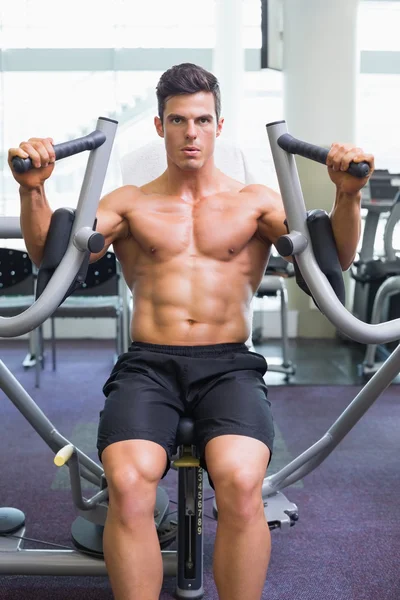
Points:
126	192
262	193
256	188
263	197
120	199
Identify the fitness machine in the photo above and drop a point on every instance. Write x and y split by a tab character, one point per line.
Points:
186	564
273	284
377	278
369	271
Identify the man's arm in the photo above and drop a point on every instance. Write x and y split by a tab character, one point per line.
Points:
36	212
35	217
111	217
271	223
345	214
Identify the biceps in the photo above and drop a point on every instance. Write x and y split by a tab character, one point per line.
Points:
112	226
272	226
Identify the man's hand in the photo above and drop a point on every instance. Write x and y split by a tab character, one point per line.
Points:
41	152
339	158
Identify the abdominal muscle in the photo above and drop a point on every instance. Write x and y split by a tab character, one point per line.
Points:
191	302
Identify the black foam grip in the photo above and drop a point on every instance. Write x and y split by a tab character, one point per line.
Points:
88	142
56	246
290	144
325	251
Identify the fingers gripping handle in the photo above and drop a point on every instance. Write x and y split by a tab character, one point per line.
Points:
293	146
88	142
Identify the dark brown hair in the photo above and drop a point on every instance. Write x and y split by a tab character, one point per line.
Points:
187	78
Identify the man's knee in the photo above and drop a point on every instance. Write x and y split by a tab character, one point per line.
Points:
133	470
237	466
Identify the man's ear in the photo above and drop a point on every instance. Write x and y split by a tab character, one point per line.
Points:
219	127
159	126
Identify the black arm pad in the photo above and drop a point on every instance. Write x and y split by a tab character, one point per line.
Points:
56	246
279	266
325	251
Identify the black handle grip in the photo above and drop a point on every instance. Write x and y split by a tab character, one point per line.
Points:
88	142
293	146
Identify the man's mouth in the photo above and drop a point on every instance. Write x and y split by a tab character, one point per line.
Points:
190	150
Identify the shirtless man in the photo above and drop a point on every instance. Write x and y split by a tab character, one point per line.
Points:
193	246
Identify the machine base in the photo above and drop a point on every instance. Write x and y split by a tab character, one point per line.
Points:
279	512
88	537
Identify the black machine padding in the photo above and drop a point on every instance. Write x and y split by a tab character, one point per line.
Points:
55	248
325	251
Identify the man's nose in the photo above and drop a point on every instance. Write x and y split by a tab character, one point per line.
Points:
191	131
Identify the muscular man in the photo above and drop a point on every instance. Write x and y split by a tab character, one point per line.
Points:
193	246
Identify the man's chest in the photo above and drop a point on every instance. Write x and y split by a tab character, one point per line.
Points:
211	229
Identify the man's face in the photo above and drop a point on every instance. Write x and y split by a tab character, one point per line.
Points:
189	129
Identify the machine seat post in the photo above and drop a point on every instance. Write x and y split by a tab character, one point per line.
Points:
189	581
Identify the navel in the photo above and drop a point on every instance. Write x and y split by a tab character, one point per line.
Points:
152	250
231	251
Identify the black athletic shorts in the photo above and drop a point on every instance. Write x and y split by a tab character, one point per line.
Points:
152	386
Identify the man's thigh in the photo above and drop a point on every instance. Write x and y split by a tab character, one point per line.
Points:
138	408
236	460
236	405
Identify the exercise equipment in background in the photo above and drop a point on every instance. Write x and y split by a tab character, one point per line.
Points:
273	285
377	269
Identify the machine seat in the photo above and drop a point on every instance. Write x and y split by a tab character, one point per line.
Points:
185	434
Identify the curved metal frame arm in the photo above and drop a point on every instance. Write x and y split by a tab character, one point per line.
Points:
391	224
68	268
318	284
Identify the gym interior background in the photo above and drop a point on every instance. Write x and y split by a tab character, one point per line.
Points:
64	64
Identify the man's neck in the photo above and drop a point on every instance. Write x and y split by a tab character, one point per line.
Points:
191	185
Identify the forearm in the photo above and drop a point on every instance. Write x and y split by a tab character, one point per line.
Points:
35	221
346	224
